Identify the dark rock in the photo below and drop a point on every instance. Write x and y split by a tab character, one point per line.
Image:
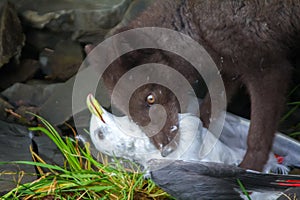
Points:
11	36
62	104
26	94
48	150
81	18
13	73
14	145
24	115
40	39
4	106
45	59
57	109
24	98
62	62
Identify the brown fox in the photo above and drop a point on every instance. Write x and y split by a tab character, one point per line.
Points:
251	43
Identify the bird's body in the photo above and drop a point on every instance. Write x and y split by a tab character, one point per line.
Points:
122	137
186	173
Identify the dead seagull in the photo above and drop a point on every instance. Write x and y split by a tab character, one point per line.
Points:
121	137
213	176
208	180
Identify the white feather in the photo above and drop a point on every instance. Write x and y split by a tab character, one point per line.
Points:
121	137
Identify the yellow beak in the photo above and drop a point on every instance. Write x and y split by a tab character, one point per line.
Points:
94	107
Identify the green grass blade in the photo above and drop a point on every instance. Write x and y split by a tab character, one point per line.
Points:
291	111
245	192
48	166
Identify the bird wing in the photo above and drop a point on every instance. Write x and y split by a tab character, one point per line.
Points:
208	180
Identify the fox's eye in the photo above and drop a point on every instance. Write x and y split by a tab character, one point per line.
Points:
150	99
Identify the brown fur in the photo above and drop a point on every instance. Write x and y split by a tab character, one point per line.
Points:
250	41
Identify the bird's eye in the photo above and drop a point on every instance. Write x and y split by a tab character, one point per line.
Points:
150	99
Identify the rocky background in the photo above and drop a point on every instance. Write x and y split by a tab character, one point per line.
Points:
41	49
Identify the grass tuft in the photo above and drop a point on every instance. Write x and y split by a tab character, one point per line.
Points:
82	176
293	107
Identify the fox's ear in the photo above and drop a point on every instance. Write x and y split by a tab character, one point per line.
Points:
88	48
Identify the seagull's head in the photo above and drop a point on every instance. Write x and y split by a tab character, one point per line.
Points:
122	137
117	136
